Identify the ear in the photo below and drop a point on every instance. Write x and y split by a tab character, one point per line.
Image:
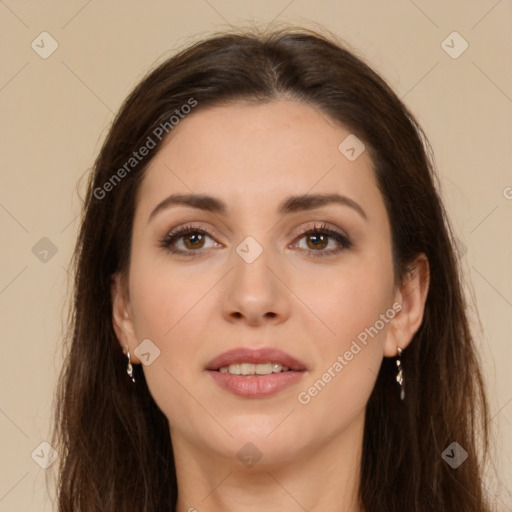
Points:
122	316
411	294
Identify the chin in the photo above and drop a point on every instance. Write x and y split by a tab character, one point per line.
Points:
273	439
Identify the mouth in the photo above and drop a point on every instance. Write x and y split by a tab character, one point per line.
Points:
250	369
255	373
265	361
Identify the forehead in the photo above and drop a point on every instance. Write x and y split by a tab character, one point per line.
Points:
252	153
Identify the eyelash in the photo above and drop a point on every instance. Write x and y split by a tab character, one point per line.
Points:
168	241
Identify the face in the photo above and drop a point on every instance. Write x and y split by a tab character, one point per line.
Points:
255	275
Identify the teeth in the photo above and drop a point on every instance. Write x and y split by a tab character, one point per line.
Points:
248	368
235	369
253	369
276	368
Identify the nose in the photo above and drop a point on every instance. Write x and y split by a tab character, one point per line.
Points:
255	292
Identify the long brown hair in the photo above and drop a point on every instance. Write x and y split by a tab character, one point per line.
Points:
114	441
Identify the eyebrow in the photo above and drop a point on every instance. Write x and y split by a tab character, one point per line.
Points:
291	204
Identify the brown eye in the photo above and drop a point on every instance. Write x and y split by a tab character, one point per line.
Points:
187	241
318	241
196	240
193	240
318	238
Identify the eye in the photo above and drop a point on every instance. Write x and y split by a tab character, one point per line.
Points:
191	239
317	239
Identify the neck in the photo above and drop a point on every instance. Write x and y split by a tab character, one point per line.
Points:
325	477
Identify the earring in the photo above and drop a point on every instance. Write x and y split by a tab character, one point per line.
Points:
400	374
129	368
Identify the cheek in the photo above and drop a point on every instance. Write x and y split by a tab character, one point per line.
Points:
163	310
344	301
355	307
347	362
166	309
162	294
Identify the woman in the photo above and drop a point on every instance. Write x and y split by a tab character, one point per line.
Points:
268	311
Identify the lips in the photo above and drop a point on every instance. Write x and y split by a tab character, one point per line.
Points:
258	356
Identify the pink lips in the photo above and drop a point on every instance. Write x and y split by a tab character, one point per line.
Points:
262	355
256	386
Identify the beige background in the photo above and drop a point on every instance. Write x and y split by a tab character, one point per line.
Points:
55	113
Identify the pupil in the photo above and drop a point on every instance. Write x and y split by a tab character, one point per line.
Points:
317	237
198	237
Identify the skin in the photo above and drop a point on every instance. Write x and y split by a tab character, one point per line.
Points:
194	308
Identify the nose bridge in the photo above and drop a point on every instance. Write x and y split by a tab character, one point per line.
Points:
251	259
254	290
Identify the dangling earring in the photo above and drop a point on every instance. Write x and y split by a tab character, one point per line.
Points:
129	368
400	374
